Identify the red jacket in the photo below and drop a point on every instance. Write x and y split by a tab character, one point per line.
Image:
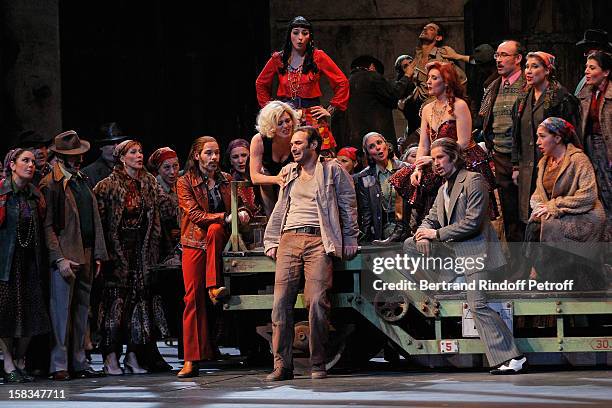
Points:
309	83
193	205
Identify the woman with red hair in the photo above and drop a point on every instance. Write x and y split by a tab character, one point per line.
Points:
447	115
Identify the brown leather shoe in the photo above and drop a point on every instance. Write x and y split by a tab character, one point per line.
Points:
217	294
61	375
279	374
318	372
189	370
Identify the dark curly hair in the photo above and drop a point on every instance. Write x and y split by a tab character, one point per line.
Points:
309	63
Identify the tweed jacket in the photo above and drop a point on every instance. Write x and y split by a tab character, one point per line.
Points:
605	114
485	114
110	193
577	213
556	101
336	207
468	228
193	205
67	243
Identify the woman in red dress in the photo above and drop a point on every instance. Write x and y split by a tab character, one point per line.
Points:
448	115
299	67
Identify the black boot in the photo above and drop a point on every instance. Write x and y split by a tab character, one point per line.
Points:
399	234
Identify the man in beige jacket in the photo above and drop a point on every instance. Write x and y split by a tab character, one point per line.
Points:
314	219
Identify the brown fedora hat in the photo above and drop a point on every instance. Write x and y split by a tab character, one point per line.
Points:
68	143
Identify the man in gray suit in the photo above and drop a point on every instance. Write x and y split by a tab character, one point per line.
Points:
460	215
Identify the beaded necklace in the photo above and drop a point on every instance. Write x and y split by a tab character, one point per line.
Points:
436	116
294	75
28	240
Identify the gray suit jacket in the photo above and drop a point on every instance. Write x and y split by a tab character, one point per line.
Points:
468	229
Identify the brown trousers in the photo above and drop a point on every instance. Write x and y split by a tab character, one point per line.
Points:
297	253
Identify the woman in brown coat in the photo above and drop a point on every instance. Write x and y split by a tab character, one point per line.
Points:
566	211
128	201
596	104
544	98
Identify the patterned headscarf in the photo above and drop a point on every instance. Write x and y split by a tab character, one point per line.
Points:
563	128
159	156
123	147
349	152
549	59
237	143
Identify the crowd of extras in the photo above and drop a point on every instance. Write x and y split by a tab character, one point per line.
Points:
78	243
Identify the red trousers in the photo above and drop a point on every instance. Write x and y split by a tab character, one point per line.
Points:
197	340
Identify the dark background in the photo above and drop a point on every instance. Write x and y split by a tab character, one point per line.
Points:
167	72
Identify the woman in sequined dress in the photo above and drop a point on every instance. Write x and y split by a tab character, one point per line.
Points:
299	68
447	116
130	314
22	310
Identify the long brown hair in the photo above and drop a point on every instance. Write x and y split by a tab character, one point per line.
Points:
196	148
454	89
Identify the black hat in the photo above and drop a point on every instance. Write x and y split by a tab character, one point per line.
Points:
364	61
595	38
110	133
31	138
484	53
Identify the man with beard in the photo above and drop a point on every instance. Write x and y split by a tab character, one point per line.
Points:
110	136
73	232
430	39
459	218
302	235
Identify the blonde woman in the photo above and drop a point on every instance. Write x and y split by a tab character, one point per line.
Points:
271	149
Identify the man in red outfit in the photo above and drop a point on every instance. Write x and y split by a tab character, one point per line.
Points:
204	201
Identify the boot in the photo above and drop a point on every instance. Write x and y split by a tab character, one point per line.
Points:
399	234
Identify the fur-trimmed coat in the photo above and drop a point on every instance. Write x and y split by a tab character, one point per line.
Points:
577	213
111	193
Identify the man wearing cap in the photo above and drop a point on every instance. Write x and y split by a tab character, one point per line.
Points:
74	236
373	99
110	135
593	40
39	145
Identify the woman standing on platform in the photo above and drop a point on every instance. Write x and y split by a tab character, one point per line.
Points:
22	310
238	152
204	201
270	149
299	67
544	97
596	103
128	201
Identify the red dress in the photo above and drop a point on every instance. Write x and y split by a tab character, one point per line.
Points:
476	160
302	91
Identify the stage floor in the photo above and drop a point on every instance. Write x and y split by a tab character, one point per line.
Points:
230	384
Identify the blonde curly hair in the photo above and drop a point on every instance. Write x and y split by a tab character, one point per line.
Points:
269	115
